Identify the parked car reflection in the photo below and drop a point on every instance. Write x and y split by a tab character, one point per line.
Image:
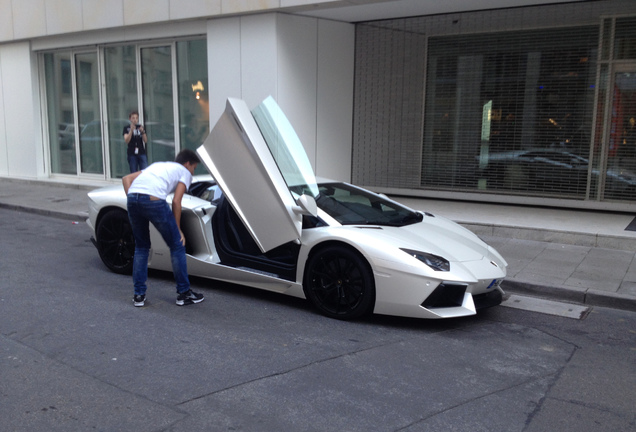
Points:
553	171
66	135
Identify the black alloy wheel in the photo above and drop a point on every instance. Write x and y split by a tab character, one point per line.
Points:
115	241
339	282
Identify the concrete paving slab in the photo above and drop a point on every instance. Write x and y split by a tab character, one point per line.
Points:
518	253
556	263
606	381
627	288
48	395
462	418
577	419
602	269
631	271
272	401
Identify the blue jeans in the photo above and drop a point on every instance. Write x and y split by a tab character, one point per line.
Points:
137	162
142	211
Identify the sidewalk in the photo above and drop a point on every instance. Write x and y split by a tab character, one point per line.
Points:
578	256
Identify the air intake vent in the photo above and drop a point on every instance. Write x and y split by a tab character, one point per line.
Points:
446	295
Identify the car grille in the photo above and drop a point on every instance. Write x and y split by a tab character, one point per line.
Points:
446	295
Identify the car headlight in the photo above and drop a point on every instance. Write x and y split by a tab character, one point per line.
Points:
435	262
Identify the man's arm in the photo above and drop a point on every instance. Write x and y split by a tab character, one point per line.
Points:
176	207
128	136
127	180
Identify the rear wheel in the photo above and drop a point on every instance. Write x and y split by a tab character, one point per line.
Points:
115	241
339	282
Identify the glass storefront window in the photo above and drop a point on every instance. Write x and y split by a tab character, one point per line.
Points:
606	39
120	67
135	77
620	178
61	121
625	39
599	138
90	137
157	94
510	114
73	108
194	113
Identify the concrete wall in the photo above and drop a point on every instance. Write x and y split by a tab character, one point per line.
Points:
20	137
4	149
336	46
25	19
306	64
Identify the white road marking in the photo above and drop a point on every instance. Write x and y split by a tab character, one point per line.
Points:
550	307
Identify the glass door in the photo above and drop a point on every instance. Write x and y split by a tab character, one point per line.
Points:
90	94
74	113
60	112
620	176
120	76
158	102
88	114
194	113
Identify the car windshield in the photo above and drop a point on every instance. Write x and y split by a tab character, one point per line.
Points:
350	205
285	146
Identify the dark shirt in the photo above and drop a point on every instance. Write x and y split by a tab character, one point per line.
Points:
136	141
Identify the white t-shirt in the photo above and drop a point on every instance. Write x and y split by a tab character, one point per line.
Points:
160	179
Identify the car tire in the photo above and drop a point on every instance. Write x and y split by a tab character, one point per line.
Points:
339	283
115	241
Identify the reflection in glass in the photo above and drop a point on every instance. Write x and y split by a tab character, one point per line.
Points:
91	158
121	97
156	70
285	146
61	120
350	205
625	39
194	113
620	177
539	112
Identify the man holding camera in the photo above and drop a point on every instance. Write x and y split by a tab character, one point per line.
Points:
136	139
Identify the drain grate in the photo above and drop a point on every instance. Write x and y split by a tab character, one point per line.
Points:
550	307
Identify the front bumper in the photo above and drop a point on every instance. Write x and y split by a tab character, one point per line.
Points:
412	295
490	299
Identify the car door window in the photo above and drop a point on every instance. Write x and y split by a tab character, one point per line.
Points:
285	146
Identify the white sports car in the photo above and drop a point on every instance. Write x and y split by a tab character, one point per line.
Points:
261	219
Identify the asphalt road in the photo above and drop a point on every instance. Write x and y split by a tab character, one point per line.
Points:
76	356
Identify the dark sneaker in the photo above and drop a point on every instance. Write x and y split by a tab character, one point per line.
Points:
189	297
139	300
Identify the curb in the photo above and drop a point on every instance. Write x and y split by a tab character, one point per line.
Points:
581	296
45	212
604	241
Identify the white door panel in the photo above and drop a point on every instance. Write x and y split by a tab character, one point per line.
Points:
237	156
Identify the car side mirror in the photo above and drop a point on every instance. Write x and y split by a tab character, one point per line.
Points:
306	205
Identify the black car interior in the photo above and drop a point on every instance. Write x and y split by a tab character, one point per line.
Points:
235	245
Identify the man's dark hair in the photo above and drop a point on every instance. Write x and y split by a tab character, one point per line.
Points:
133	112
187	155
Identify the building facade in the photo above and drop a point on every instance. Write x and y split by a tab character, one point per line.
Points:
526	101
525	105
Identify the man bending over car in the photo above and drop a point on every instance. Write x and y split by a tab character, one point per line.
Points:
147	191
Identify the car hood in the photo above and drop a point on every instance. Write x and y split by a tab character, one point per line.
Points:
436	235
